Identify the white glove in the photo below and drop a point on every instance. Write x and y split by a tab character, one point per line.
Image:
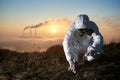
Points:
72	67
91	51
89	56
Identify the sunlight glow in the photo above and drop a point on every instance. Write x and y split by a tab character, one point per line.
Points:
53	30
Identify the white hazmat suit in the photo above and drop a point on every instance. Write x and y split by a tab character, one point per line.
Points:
78	41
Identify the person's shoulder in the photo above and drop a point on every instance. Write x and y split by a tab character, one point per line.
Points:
93	25
72	27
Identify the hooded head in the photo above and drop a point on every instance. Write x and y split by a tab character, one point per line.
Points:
82	25
82	22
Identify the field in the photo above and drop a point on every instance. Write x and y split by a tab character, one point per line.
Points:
52	65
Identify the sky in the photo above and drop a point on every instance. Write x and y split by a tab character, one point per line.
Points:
56	16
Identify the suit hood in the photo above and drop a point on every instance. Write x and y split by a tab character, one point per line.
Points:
82	22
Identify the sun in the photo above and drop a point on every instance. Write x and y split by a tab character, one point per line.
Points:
53	30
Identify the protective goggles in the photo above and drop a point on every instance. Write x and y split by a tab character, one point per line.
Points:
86	31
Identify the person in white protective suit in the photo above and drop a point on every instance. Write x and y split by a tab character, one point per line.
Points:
83	37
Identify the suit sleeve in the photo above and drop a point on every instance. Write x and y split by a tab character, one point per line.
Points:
97	39
68	45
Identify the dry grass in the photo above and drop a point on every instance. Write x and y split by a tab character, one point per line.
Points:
52	65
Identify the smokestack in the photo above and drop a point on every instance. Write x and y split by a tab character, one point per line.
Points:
35	32
30	32
33	26
23	33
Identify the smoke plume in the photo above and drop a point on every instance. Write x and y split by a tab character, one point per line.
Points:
60	21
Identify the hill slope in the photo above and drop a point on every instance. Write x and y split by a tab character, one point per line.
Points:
52	65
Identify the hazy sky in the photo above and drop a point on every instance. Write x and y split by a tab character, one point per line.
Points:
15	15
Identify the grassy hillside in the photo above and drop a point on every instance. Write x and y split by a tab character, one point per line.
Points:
52	65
